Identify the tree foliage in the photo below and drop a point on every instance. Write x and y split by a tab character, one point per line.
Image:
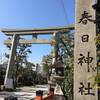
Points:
21	56
97	77
28	75
46	63
65	43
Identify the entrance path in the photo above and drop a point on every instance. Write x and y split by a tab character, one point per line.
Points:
25	93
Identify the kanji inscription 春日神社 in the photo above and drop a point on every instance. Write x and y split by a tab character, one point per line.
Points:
84	51
83	90
85	38
85	17
88	60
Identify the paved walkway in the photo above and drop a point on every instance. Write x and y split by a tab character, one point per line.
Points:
25	93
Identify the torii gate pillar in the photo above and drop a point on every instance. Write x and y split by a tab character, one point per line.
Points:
9	77
85	51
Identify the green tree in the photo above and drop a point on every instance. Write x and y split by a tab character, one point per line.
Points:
21	56
2	74
97	78
28	75
3	65
66	45
46	63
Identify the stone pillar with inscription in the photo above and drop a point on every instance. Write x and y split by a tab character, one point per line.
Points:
85	52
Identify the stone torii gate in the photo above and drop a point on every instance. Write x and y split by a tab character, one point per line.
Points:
8	83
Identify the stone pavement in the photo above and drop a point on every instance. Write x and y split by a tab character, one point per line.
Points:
25	93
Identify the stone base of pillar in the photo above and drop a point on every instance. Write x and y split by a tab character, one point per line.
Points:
8	85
